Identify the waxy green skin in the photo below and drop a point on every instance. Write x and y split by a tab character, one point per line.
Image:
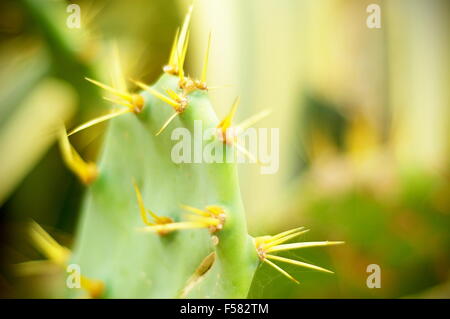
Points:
136	264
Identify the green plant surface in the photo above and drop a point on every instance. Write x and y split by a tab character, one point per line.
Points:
108	241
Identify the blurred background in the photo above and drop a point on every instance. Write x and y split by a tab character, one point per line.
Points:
363	115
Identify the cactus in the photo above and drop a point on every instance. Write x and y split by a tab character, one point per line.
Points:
153	228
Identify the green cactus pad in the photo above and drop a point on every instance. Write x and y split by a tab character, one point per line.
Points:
136	264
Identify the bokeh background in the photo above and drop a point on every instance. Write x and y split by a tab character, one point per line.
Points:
363	117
